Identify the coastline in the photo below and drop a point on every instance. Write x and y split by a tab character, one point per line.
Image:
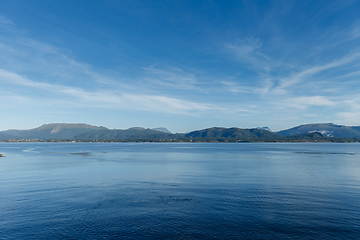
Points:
220	140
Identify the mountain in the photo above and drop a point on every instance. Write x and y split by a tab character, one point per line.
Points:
131	133
326	129
232	133
161	129
51	131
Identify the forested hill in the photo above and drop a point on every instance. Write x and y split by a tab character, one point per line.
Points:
131	133
232	134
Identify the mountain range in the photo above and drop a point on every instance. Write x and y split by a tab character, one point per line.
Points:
85	132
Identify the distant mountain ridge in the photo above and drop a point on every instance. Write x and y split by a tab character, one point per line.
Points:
234	133
85	132
131	133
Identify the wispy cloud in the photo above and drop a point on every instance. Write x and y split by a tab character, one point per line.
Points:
248	52
172	77
299	87
167	104
355	32
304	75
11	100
28	56
350	112
60	79
6	23
111	99
236	88
348	118
307	101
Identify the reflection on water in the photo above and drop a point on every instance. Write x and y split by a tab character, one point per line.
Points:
342	153
179	190
83	154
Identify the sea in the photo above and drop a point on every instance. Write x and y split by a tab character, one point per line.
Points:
180	191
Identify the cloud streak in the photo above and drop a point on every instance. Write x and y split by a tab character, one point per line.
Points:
306	74
112	99
308	101
248	52
173	78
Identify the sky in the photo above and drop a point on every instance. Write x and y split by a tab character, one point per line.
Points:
183	65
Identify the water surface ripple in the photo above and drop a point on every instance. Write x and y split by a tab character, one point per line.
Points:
179	191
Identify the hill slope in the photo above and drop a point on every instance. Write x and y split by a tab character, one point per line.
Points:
326	129
232	133
131	133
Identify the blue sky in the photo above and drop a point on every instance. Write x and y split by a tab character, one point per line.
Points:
183	65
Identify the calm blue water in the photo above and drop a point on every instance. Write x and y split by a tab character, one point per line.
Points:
179	191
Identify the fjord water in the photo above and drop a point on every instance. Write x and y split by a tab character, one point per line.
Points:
179	191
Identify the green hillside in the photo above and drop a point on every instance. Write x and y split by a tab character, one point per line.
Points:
131	133
232	133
